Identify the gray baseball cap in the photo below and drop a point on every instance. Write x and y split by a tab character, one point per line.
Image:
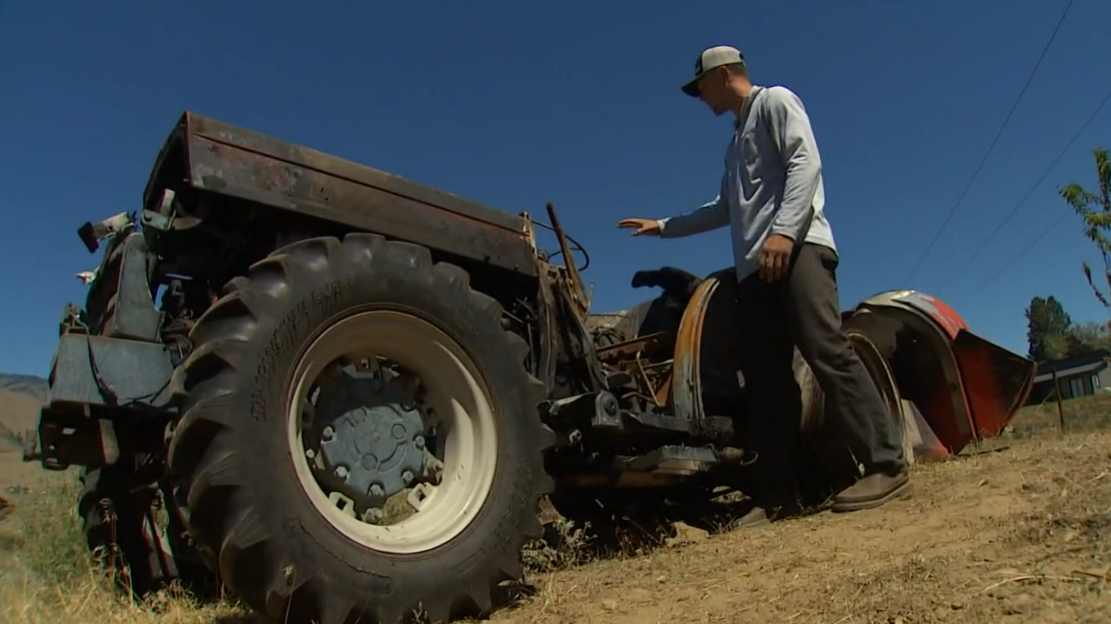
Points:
710	59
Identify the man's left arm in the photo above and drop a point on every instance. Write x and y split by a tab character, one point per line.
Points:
798	151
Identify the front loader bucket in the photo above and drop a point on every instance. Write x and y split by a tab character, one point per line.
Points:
964	387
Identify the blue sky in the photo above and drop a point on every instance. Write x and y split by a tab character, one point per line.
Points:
517	103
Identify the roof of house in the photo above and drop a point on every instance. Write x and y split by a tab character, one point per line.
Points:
1083	363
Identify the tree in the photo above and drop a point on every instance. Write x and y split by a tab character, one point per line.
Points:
1047	329
1087	337
1095	211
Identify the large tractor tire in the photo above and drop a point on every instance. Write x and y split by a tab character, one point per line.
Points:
290	487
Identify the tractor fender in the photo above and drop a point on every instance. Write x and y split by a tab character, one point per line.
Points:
963	387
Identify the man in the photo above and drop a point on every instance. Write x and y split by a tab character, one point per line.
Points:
772	197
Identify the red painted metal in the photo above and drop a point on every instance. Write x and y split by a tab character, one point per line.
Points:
936	309
966	387
996	381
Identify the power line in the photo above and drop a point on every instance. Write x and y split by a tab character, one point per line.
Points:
991	147
1024	251
1045	174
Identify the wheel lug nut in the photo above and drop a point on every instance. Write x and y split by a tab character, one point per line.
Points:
341	472
419	442
407	477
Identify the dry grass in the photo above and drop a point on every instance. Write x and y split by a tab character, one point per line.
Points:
48	577
1020	536
1090	413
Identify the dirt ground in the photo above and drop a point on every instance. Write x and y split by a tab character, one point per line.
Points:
1020	535
1017	535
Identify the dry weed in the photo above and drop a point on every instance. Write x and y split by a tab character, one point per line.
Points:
564	545
49	576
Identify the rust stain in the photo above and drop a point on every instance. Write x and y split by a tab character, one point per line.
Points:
631	348
688	352
663	392
269	151
641	358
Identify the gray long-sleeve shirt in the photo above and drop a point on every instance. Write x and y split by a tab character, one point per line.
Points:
772	182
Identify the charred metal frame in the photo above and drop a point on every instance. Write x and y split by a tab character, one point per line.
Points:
206	155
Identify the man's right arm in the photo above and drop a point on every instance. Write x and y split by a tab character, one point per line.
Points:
711	216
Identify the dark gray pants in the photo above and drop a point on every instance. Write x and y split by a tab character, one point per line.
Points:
803	309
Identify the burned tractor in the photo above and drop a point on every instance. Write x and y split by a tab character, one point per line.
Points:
342	395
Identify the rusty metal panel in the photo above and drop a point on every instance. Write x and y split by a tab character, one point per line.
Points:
237	162
632	348
687	386
996	381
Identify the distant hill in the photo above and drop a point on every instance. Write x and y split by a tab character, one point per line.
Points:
30	385
20	399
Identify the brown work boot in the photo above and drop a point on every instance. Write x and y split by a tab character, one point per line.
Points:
755	517
759	516
871	491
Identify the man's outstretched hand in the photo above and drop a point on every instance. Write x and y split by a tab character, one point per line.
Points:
641	227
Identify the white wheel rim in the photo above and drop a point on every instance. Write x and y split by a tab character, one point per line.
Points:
459	398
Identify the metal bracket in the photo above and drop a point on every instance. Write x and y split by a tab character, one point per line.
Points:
92	233
66	436
162	218
596	409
